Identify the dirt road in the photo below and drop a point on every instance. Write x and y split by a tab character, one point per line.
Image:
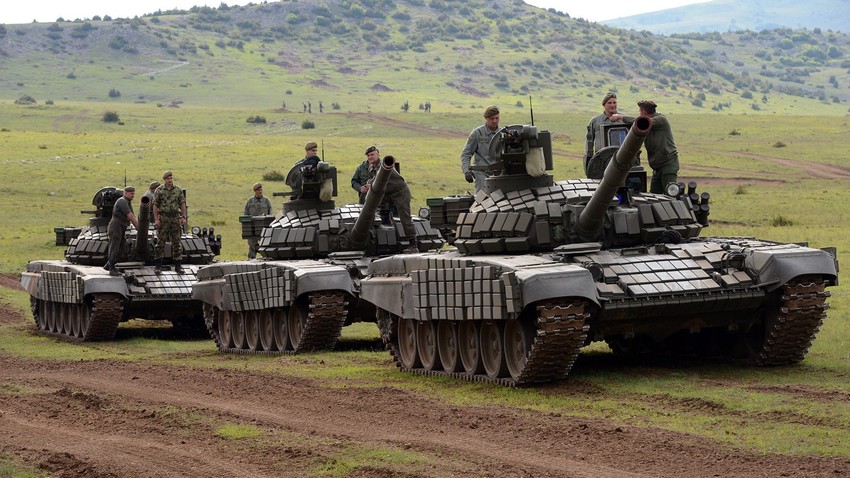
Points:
113	418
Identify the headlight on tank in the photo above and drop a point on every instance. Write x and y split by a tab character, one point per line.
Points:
424	213
673	190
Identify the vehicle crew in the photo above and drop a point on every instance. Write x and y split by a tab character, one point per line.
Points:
477	146
122	217
169	212
257	205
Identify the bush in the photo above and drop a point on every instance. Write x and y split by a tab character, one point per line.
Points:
25	100
734	132
273	176
256	120
110	117
113	93
780	221
307	124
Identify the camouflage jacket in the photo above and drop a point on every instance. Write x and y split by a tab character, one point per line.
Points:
258	207
168	201
361	176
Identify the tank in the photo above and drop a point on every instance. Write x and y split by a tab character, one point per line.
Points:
542	268
77	299
306	284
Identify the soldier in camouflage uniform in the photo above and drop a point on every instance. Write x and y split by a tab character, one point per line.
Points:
257	205
169	212
478	145
360	180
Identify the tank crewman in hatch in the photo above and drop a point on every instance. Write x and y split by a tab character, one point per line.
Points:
122	216
594	142
257	205
151	190
364	172
661	152
169	212
293	177
396	193
477	145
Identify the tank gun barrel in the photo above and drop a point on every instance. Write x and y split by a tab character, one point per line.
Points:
360	232
142	232
590	220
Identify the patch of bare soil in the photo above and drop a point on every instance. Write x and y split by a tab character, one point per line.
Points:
380	87
111	418
11	281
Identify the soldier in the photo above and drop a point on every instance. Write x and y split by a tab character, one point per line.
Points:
364	172
122	216
151	190
293	177
594	142
396	194
169	212
662	155
478	145
257	205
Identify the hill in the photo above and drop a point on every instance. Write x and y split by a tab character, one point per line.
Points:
731	15
373	55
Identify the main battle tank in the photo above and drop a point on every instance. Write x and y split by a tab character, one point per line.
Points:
543	268
305	288
76	298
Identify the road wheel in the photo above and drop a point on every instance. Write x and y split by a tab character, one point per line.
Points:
492	349
447	344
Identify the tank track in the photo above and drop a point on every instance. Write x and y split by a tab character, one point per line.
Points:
561	329
326	315
105	314
790	333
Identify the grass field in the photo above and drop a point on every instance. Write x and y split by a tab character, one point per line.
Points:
54	159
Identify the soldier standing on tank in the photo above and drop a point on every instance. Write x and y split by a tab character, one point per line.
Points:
594	140
293	177
257	205
661	152
396	194
364	172
169	212
122	216
478	145
151	190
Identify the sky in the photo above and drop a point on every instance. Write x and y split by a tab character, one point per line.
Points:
16	11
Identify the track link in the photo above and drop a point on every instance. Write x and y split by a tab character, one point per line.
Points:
105	312
326	315
790	333
561	329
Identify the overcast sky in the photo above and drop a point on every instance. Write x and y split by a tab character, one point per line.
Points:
17	11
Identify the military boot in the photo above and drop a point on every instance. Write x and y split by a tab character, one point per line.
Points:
411	248
178	268
157	266
107	266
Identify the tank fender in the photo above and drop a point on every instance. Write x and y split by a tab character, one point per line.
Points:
29	281
774	266
210	292
104	284
391	293
326	277
557	280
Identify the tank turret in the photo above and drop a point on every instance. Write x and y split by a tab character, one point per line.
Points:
541	268
78	299
306	286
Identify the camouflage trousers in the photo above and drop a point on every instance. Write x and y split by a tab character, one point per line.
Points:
169	231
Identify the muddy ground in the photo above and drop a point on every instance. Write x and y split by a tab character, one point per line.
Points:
109	418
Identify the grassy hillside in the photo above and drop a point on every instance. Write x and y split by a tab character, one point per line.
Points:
372	55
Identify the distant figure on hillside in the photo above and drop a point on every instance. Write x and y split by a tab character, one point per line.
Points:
427	106
478	145
309	107
405	106
594	140
305	107
321	107
662	155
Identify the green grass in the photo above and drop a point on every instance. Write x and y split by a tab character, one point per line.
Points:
238	431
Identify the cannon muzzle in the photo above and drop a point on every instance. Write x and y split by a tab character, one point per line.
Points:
142	232
591	218
360	232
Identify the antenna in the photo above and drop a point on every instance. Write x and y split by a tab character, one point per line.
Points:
531	108
323	149
125	177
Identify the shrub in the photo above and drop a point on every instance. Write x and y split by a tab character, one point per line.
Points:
307	124
113	93
110	117
25	100
734	132
71	76
273	176
779	144
780	221
256	120
740	190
